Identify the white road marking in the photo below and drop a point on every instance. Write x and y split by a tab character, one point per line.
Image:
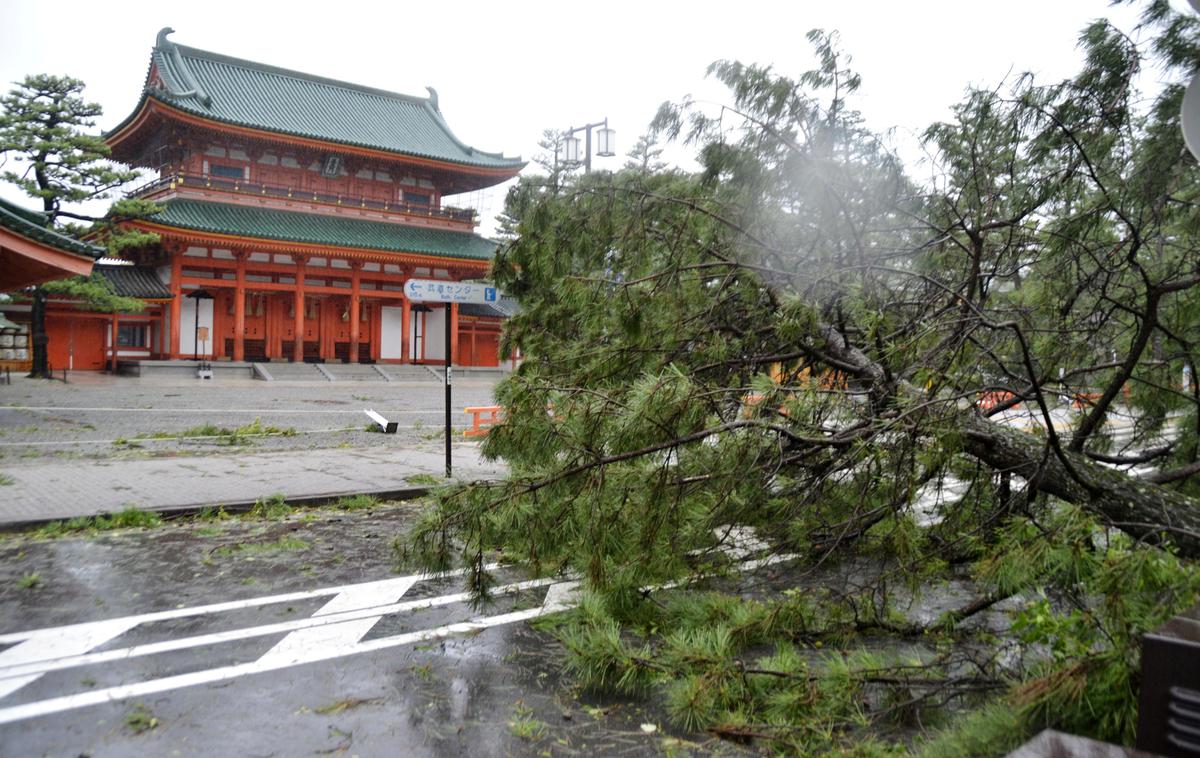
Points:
141	689
298	644
71	640
231	605
282	627
334	631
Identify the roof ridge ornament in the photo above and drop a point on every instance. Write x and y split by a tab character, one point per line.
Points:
172	51
433	98
161	41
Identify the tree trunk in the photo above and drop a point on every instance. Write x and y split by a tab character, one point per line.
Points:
1140	508
38	338
1137	507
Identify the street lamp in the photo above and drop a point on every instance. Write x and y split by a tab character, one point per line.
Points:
605	143
198	295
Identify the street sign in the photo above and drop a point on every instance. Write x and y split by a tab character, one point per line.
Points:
438	291
441	291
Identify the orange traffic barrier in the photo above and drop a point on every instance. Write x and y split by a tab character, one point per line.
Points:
483	418
1085	399
750	403
989	400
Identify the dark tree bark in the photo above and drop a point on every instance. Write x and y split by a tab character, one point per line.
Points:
38	338
1137	507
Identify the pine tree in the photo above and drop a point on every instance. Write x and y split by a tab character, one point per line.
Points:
42	129
799	340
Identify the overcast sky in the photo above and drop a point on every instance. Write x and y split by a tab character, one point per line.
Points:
505	71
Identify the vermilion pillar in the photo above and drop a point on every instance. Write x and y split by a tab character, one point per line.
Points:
405	331
298	323
354	312
239	310
176	302
115	329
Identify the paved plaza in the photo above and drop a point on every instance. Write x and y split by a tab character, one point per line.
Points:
100	444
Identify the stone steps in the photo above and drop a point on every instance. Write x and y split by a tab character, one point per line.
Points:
354	372
293	372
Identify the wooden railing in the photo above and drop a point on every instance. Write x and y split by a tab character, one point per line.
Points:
484	417
262	189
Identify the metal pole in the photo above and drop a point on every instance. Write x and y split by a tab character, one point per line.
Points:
448	383
196	333
587	156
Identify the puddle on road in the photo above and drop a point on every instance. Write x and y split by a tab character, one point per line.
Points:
496	692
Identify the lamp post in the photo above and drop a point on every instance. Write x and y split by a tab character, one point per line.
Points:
197	295
605	143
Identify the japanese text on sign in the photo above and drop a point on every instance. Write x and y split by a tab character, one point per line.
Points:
435	291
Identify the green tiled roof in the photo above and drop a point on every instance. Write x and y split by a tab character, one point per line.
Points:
32	224
133	281
245	93
316	229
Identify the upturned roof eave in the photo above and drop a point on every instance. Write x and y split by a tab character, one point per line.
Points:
19	221
148	103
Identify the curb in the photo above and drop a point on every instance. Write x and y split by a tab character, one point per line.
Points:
236	506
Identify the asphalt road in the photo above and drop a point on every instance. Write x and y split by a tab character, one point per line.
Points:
286	637
255	637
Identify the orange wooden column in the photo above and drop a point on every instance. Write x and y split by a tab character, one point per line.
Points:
270	324
176	302
239	309
327	314
298	323
356	267
113	346
405	330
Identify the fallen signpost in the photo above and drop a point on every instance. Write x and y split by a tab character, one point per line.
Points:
385	426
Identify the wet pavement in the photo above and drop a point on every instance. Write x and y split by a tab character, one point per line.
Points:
284	636
102	444
265	637
292	636
51	489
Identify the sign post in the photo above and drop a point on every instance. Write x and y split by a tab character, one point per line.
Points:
440	291
448	383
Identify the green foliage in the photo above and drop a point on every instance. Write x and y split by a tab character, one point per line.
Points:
273	508
95	293
241	435
283	544
44	123
356	502
793	350
140	719
523	726
30	581
994	729
130	518
44	135
41	123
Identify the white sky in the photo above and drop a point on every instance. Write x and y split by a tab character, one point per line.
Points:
505	71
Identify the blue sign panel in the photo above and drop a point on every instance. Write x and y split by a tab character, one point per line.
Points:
439	291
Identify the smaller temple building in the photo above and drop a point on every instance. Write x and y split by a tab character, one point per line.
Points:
31	254
294	209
